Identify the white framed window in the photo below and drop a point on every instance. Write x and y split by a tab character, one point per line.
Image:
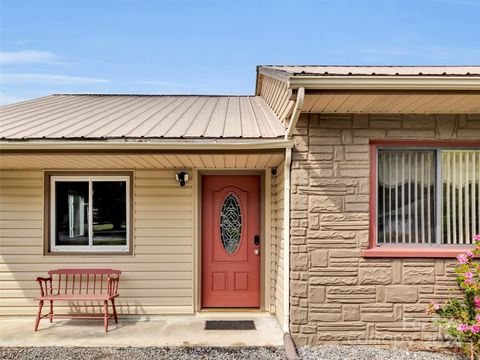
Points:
90	213
427	195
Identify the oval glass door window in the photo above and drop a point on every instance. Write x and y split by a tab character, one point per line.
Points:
230	224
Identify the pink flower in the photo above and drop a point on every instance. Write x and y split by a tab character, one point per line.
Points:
469	254
433	307
462	259
469	275
477	318
475	329
462	327
476	237
468	281
477	302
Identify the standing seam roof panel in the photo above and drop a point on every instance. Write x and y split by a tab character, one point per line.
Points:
179	128
249	121
233	121
151	121
198	127
107	122
27	128
137	116
127	126
83	120
36	114
119	126
217	120
165	124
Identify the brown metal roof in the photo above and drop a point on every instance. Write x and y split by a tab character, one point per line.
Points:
139	116
319	70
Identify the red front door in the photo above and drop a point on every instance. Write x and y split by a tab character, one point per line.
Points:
231	241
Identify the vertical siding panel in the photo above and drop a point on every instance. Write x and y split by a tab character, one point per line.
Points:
279	233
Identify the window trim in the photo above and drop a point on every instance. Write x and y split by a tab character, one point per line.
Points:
401	250
49	212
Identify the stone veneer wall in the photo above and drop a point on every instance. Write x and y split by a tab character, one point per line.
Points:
336	295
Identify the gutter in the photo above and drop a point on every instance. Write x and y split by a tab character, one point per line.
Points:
146	145
384	82
297	110
286	242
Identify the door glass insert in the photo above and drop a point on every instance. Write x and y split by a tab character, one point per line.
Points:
230	224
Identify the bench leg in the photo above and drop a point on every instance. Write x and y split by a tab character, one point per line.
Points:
51	311
105	316
115	317
39	315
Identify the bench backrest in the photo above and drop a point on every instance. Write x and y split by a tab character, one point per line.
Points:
84	281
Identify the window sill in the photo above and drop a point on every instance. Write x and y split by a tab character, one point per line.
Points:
409	252
88	253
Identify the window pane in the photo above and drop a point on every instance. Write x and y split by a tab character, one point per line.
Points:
109	213
406	197
71	213
461	195
230	224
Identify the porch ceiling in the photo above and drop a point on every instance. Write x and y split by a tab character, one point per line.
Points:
144	160
392	102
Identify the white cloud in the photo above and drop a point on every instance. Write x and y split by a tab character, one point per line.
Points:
51	79
28	56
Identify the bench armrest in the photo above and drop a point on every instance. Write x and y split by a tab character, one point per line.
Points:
113	285
45	285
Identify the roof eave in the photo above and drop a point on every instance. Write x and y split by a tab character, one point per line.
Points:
359	82
203	145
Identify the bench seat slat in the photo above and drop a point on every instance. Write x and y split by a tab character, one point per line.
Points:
78	297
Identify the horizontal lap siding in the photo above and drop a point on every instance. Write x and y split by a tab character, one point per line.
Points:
157	279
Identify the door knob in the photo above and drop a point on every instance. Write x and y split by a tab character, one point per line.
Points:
256	252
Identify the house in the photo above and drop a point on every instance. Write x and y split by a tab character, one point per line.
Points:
336	198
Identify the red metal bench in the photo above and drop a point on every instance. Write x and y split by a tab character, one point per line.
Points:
79	285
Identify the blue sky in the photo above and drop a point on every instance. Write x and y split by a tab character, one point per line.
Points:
213	46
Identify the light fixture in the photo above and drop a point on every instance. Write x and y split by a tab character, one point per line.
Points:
182	178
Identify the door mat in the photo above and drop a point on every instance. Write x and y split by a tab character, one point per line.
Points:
229	325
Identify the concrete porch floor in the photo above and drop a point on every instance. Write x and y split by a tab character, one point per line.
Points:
155	331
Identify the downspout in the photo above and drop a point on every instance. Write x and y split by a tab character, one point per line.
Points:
286	242
296	113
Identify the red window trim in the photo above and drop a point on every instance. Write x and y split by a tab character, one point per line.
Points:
433	251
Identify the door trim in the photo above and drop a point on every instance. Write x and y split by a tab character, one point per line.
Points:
265	225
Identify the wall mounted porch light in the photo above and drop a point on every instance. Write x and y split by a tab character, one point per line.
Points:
182	178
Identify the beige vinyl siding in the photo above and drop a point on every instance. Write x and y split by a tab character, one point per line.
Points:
277	222
157	279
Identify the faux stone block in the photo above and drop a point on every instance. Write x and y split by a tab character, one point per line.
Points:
351	312
319	258
418	275
401	294
374	276
316	294
317	204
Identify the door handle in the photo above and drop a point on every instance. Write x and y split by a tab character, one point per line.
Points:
256	239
